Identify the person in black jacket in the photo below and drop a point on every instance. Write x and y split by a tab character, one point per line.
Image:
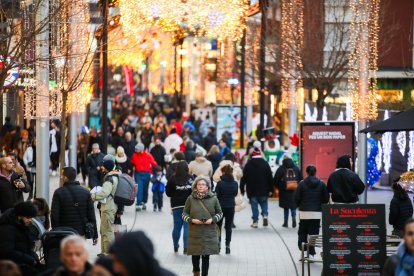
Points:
179	188
94	166
210	139
189	152
286	200
226	191
309	197
12	185
214	157
15	239
178	157
123	162
401	209
158	152
257	177
118	138
72	205
343	184
129	144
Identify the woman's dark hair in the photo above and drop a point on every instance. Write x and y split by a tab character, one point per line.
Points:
227	170
311	170
43	210
25	209
399	192
230	156
181	173
179	156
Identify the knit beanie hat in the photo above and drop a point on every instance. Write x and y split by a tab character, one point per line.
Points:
120	155
257	148
140	147
109	162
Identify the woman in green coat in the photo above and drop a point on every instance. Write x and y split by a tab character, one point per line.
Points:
202	211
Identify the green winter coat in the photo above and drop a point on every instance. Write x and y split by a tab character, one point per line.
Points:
202	239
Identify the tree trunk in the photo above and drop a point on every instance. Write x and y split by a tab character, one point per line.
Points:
320	104
63	135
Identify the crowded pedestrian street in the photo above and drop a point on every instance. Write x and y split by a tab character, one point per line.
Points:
206	137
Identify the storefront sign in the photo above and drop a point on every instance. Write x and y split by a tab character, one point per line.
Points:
321	143
354	239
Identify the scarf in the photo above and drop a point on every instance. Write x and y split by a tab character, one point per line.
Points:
200	195
405	265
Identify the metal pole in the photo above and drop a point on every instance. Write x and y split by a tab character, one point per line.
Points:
180	104
262	61
362	158
242	87
42	102
105	78
175	75
72	140
72	117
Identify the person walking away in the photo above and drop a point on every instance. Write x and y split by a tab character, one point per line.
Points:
189	151
173	141
202	212
54	147
94	138
83	155
15	241
129	144
12	185
226	191
146	134
402	263
257	183
287	178
143	163
401	209
134	255
123	162
94	166
309	197
118	138
72	206
158	152
108	207
214	157
158	181
200	166
29	160
179	188
344	185
210	139
74	257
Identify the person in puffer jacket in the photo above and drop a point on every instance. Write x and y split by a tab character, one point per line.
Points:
401	209
309	197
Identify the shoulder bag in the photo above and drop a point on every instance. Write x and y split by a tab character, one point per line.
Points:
208	212
87	227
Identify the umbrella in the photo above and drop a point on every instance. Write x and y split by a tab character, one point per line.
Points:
402	121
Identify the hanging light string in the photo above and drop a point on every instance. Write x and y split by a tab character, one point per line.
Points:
364	31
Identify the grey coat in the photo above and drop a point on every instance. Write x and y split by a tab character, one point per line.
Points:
202	239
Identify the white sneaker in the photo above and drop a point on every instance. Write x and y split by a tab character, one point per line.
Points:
254	225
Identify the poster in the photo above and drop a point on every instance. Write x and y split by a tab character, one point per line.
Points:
321	143
228	120
95	109
354	239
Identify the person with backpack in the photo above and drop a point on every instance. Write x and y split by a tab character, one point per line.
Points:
309	197
108	206
286	179
158	181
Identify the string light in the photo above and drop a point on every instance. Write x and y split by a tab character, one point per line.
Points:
401	142
378	159
363	67
208	18
292	45
387	146
410	161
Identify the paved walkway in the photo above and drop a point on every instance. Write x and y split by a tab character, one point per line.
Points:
264	251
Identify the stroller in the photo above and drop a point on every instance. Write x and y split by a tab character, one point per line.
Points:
51	245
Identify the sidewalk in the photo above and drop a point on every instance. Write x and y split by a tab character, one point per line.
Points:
264	251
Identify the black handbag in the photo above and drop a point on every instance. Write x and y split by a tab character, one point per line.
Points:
88	227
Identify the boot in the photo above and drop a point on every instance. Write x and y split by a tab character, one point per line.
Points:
196	273
285	223
294	222
227	249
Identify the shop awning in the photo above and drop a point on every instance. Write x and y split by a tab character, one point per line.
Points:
402	121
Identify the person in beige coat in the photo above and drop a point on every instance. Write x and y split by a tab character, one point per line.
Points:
200	166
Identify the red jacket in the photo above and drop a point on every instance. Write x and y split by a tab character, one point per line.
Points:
143	162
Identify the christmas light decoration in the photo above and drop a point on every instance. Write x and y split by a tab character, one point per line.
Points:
407	181
410	161
373	173
362	73
208	18
378	159
401	142
387	146
292	45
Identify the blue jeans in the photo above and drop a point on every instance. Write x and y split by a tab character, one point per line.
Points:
286	213
142	179
178	224
254	203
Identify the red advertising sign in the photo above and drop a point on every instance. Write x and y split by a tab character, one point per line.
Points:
321	143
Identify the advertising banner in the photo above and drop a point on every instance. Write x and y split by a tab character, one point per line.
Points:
228	120
354	239
321	143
